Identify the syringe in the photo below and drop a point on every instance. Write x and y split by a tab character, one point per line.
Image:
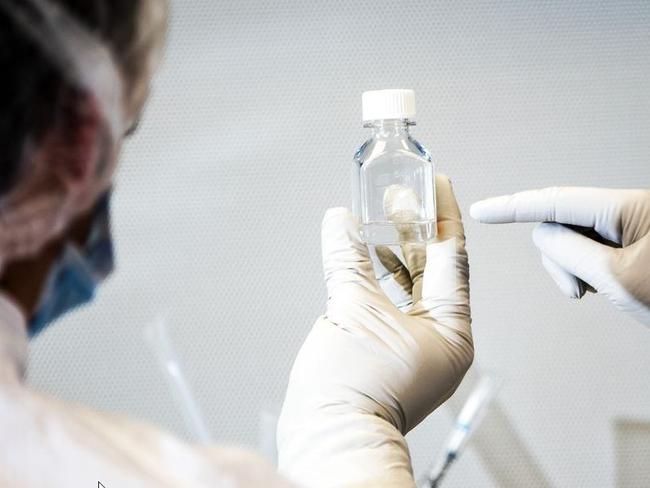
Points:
157	336
467	422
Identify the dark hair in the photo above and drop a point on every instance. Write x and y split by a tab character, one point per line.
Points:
31	86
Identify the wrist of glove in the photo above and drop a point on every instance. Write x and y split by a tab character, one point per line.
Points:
330	434
369	371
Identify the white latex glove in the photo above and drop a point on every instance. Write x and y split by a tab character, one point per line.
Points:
367	372
590	239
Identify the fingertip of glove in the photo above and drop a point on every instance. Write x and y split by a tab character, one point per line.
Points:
337	213
340	224
443	178
476	210
544	231
574	290
570	290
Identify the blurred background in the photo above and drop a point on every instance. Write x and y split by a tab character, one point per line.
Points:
248	139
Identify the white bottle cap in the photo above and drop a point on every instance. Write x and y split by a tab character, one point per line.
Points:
388	104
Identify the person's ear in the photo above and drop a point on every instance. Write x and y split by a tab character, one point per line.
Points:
76	146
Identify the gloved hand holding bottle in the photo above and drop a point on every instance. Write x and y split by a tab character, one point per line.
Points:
591	239
369	372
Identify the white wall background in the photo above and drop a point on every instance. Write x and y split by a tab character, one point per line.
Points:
248	139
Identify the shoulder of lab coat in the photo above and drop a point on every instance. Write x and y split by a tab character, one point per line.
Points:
46	442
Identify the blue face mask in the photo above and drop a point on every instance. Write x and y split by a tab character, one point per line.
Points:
76	274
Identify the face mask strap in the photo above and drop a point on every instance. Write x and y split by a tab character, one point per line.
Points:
99	251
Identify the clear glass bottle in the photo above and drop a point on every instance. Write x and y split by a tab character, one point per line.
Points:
393	175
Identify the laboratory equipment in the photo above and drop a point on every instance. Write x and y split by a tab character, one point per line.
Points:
157	337
267	442
468	420
393	174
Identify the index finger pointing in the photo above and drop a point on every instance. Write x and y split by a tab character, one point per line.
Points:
585	207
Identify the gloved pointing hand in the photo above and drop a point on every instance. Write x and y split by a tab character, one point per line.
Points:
591	239
368	372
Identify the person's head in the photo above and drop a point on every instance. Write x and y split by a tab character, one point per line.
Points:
75	76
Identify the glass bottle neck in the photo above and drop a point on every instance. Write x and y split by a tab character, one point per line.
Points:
389	127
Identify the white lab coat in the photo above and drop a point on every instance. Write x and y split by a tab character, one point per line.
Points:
48	443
